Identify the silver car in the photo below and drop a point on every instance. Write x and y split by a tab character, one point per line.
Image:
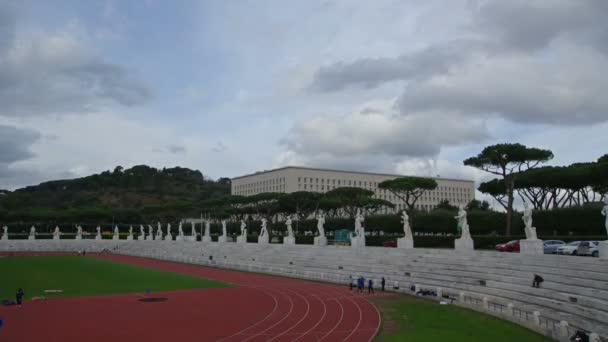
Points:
551	246
588	248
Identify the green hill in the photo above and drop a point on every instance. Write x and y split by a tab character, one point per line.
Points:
138	193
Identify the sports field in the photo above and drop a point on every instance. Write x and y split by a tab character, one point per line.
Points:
406	318
83	276
102	293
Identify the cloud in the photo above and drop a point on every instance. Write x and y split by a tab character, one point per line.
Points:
219	147
15	143
360	138
15	146
55	72
371	72
176	149
541	68
521	88
538	23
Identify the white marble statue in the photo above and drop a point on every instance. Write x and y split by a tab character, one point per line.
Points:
98	231
180	231
359	231
264	230
407	230
78	232
116	231
288	224
463	226
527	217
605	213
224	230
57	233
142	231
169	229
207	228
33	231
192	229
320	224
243	228
159	228
150	231
116	235
4	233
159	232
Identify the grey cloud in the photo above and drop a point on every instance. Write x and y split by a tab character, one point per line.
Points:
567	91
15	144
364	135
219	147
369	73
534	24
176	149
54	73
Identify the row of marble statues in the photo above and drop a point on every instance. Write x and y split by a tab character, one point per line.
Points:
531	245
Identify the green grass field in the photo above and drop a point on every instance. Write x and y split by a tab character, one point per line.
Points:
411	319
86	276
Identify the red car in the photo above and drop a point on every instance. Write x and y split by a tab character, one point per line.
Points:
390	243
511	246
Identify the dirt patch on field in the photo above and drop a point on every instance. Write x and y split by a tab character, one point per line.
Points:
389	325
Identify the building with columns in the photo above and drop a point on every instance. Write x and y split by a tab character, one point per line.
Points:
292	178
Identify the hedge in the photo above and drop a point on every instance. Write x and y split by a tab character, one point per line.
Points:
585	220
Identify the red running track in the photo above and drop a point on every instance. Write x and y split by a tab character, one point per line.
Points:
258	308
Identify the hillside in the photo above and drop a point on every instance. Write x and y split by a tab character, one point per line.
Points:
140	189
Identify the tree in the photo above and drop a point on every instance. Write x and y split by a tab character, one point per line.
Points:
445	204
507	160
478	205
350	198
301	203
409	189
375	204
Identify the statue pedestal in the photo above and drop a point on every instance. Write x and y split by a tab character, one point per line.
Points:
603	250
289	240
464	245
56	237
207	238
222	239
78	237
179	238
405	243
241	239
357	242
320	241
31	237
4	237
97	237
168	237
115	237
263	239
191	238
150	238
130	238
141	238
531	247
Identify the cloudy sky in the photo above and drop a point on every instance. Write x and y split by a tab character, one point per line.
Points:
231	87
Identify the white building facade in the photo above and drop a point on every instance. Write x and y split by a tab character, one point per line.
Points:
291	179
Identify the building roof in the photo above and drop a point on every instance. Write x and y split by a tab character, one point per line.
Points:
344	171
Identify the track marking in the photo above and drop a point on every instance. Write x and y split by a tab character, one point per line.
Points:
276	305
316	324
277	323
298	322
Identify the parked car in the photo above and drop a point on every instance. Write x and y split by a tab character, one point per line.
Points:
588	248
511	246
571	248
551	246
390	243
